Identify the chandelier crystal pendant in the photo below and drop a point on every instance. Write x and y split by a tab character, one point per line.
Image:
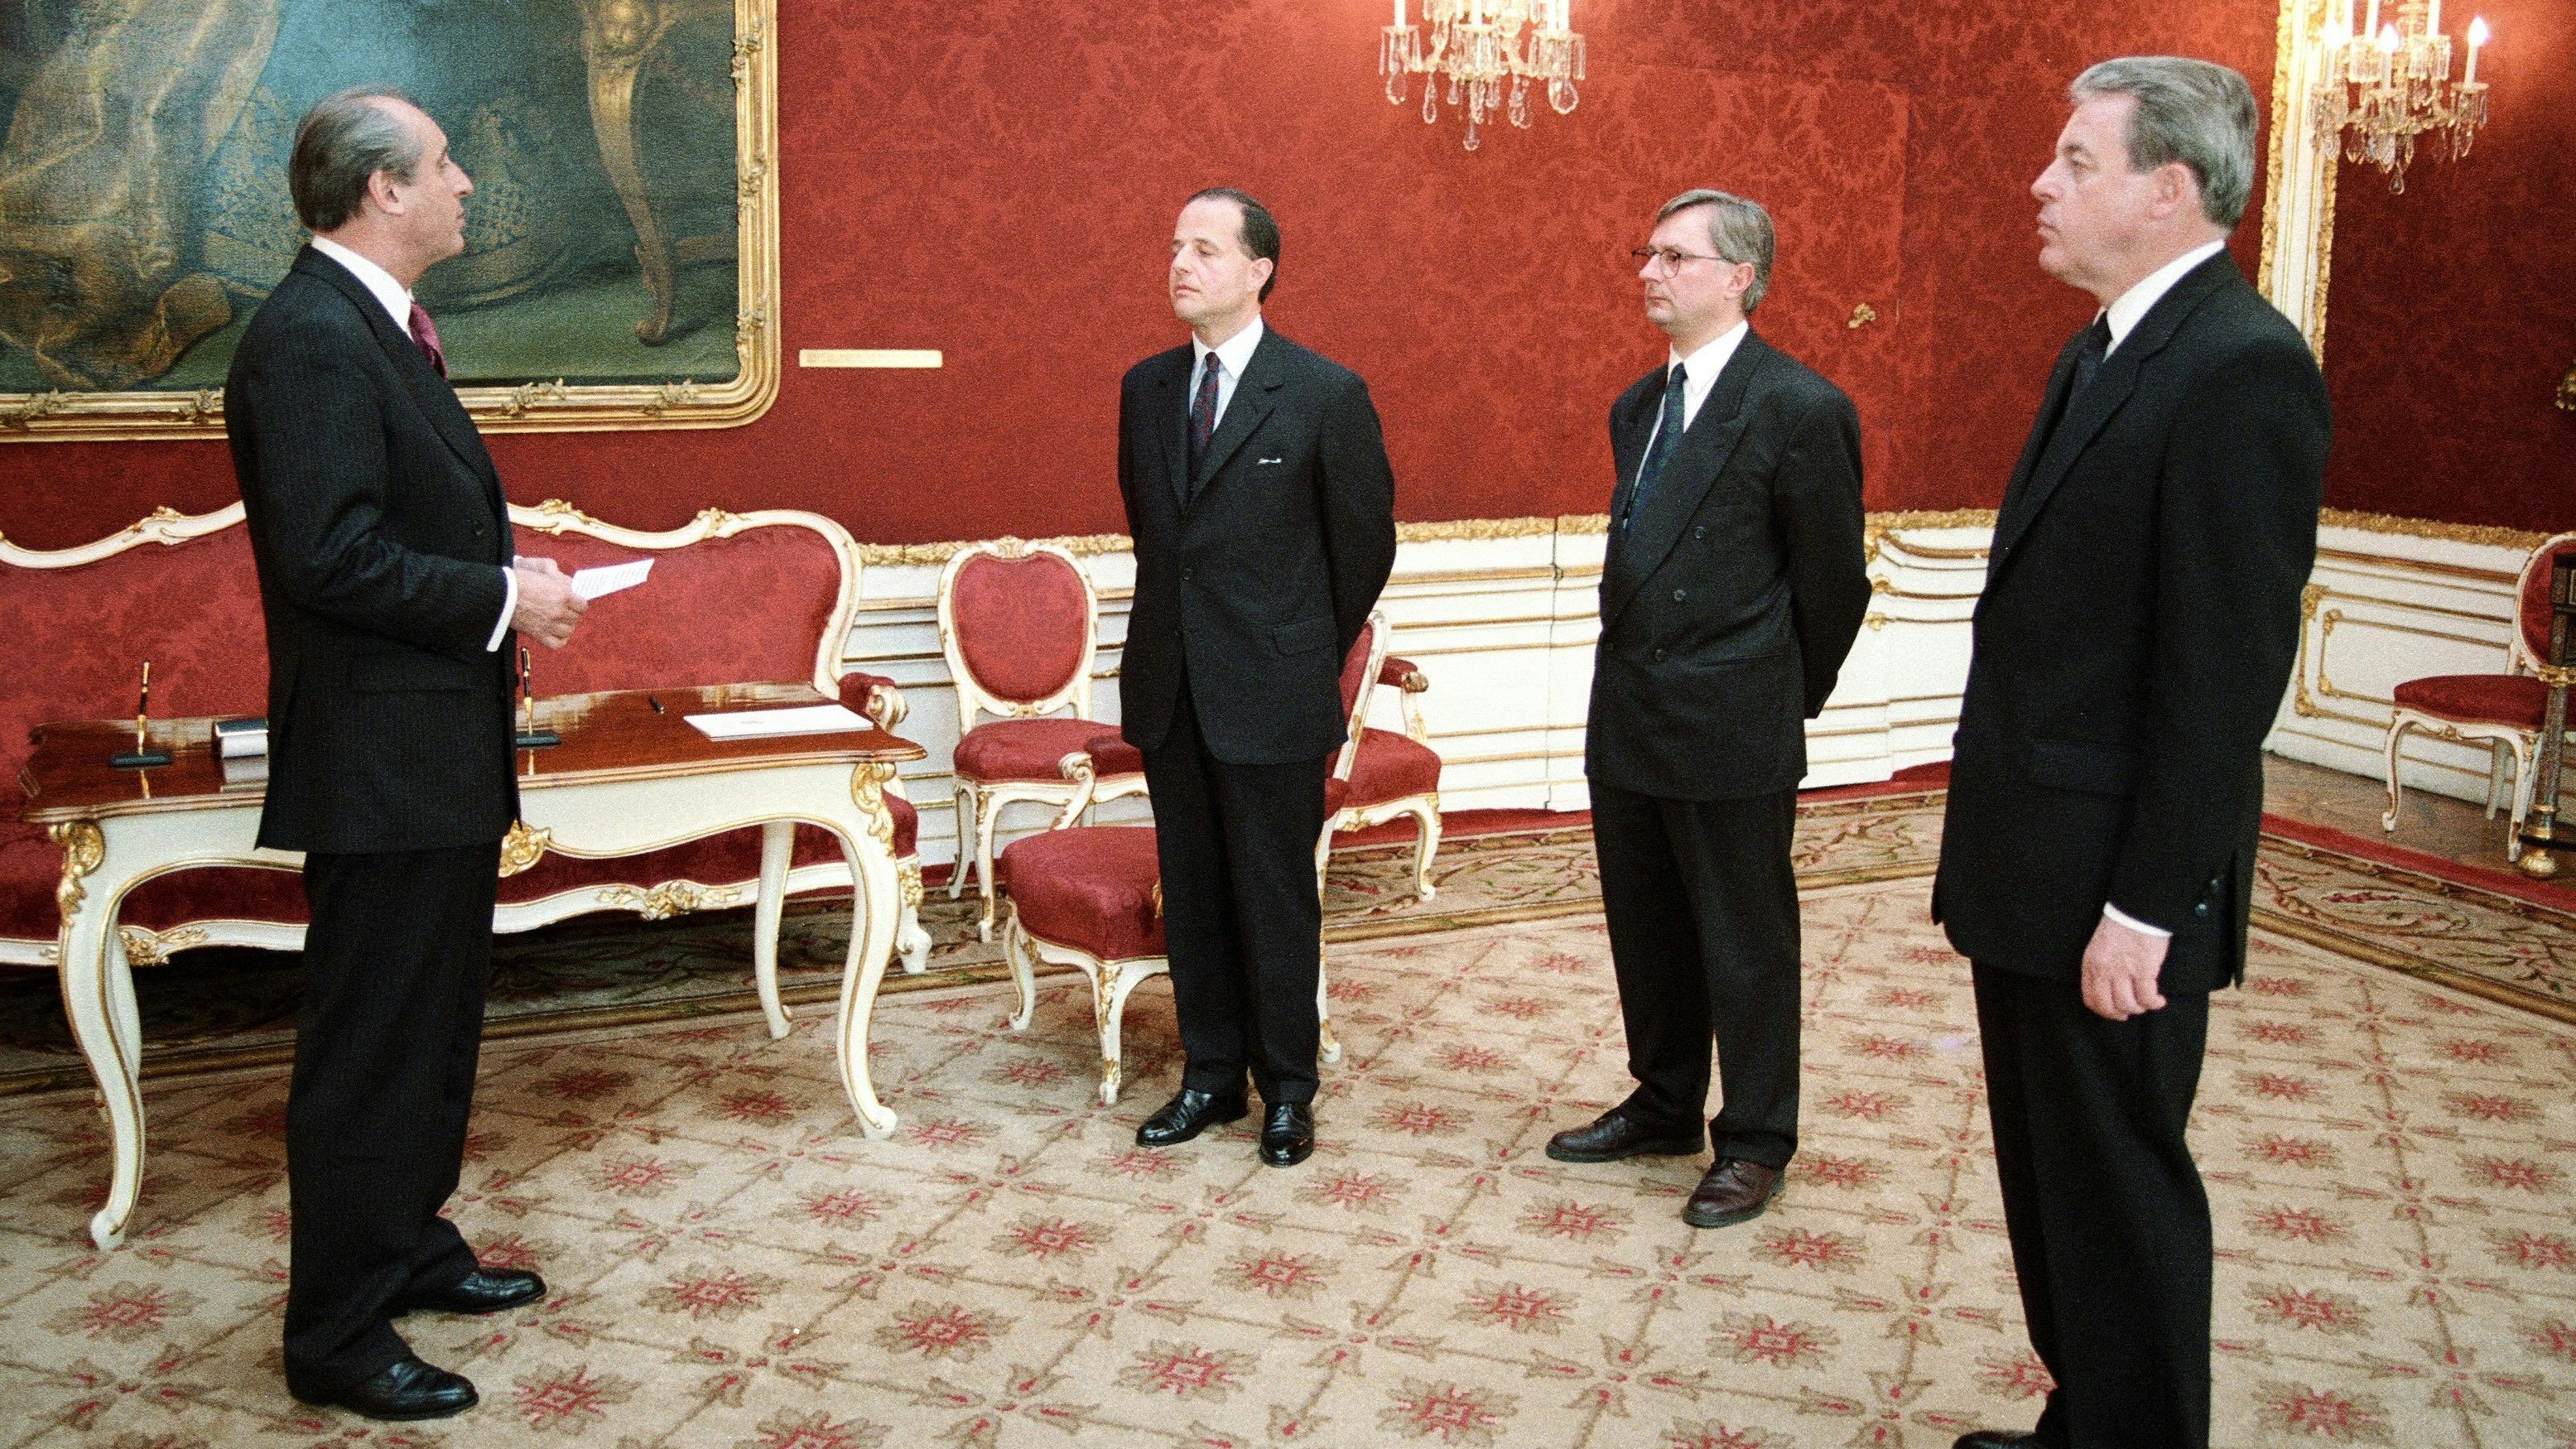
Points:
2387	84
1478	46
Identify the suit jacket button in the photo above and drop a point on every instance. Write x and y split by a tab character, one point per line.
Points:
1659	656
2201	910
1185	576
1680	594
1699	531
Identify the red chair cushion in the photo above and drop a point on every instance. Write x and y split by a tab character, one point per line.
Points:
1090	888
1355	667
2499	699
2535	605
1020	623
748	608
1392	673
1111	755
1024	749
1390	767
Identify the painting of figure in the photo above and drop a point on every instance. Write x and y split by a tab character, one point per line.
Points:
144	213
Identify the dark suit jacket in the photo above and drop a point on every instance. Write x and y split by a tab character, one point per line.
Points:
379	531
1257	575
1730	601
2140	615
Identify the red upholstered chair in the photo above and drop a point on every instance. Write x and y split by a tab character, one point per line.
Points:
1380	774
2502	710
1091	897
1019	625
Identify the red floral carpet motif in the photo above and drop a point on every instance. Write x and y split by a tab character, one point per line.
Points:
2392	1170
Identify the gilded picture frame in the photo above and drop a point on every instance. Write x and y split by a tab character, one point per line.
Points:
625	50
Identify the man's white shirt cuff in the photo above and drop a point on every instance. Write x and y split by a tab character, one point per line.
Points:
509	606
2119	917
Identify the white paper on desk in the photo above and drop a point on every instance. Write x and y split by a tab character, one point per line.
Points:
610	578
754	724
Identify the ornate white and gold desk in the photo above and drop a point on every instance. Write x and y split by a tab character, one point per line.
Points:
628	777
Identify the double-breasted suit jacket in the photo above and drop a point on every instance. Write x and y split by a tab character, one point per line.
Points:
1730	600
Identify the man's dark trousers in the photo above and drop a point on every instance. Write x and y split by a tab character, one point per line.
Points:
1702	905
2113	1198
396	959
1242	923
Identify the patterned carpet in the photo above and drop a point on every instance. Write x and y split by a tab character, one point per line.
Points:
736	1267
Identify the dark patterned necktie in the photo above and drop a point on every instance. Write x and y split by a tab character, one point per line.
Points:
425	336
1668	436
1203	412
2088	365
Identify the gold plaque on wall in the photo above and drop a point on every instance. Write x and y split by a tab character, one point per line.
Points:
621	262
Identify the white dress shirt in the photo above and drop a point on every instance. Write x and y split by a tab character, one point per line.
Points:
398	302
1232	355
2123	315
1700	374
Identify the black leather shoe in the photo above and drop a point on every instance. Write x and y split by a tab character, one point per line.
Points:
481	1291
1731	1192
1997	1439
1288	1134
1188	1114
404	1390
1614	1135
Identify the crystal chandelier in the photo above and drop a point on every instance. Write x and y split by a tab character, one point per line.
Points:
2389	84
1478	45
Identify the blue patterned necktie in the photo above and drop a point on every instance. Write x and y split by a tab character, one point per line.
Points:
1203	412
1668	436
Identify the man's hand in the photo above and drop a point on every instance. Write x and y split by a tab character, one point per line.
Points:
548	608
2120	967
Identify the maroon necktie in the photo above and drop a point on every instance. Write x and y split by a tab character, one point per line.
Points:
425	335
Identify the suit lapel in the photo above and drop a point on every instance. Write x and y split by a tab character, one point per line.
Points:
1630	430
429	392
1252	401
1168	400
2087	413
1694	468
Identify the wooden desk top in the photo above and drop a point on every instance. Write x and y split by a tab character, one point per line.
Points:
606	737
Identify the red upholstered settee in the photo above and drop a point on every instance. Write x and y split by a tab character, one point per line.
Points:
734	598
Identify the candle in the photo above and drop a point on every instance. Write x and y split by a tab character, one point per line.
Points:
2372	28
2433	19
1399	14
2477	37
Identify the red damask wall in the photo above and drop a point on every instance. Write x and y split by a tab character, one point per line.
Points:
2451	317
1002	189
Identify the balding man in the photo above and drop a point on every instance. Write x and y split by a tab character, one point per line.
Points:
391	596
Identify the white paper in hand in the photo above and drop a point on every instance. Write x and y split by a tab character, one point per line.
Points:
610	578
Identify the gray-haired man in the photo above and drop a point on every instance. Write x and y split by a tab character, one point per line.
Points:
391	596
1734	586
2140	612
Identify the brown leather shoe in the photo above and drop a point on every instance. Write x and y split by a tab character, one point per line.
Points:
1614	1135
1731	1192
1997	1439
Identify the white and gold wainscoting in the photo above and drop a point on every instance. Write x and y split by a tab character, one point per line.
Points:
2391	600
1502	615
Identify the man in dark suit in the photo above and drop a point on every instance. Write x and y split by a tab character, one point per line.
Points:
1734	585
1263	511
2139	618
386	577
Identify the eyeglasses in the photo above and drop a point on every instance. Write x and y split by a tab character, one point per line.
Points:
1669	261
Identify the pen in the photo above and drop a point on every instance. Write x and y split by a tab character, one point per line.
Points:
143	707
657	704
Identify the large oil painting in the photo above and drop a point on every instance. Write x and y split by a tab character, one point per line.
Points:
620	267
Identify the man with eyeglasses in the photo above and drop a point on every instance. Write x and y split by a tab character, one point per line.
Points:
1733	589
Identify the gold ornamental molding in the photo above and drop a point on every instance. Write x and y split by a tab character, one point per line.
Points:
2520	539
523	847
84	850
617	37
